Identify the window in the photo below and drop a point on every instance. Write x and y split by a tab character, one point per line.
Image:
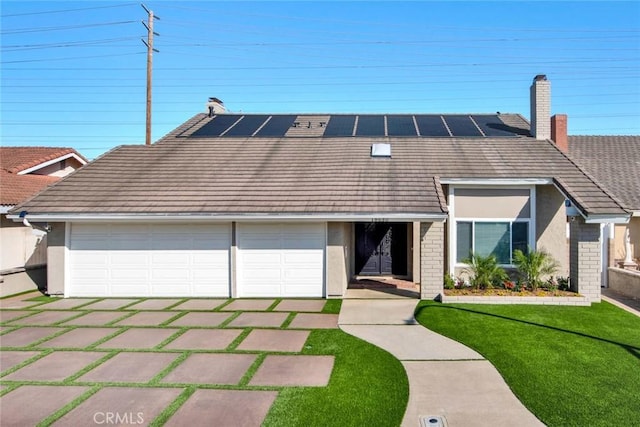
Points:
500	238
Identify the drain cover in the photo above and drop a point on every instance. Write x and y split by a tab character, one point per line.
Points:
432	421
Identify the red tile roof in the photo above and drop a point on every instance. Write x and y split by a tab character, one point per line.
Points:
14	188
17	159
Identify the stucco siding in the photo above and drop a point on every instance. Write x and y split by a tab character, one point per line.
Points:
551	229
56	252
338	256
19	246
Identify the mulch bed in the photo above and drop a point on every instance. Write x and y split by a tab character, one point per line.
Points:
508	293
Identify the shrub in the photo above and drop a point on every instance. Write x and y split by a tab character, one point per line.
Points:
533	266
563	283
484	271
449	282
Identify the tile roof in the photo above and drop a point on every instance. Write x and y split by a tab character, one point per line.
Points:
15	189
181	174
614	162
17	159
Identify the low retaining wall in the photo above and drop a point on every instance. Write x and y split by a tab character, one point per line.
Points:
467	299
625	282
22	279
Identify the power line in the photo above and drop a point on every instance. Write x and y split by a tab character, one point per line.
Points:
66	10
66	27
68	58
14	48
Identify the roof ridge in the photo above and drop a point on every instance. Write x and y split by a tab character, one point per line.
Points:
440	194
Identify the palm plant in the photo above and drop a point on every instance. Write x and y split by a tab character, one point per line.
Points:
534	265
484	271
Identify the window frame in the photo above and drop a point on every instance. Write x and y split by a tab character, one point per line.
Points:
453	222
473	223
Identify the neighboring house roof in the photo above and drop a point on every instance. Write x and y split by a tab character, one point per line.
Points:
316	165
614	162
15	189
19	159
16	183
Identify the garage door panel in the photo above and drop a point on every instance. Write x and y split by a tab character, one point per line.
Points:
129	258
170	274
93	258
162	258
128	243
129	274
90	274
281	259
302	273
302	257
87	243
149	260
265	288
300	291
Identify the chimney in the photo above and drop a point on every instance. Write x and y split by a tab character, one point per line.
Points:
559	132
215	106
541	107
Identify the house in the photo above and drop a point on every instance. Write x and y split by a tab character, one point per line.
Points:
295	205
614	162
25	171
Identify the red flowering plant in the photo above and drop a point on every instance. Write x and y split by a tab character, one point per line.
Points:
509	284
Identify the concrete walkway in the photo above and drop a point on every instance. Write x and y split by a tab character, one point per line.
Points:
622	301
446	378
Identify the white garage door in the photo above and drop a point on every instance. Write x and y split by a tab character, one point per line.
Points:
149	260
281	260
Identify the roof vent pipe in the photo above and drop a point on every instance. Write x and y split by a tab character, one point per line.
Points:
215	106
540	98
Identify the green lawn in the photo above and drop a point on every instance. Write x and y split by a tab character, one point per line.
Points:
368	387
571	366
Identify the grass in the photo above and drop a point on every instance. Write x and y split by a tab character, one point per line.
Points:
571	366
368	387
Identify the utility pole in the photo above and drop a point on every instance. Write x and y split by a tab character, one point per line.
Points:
150	50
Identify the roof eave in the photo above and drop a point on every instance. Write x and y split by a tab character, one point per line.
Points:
607	219
301	217
52	161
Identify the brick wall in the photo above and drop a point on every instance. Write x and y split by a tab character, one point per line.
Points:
584	257
431	259
540	100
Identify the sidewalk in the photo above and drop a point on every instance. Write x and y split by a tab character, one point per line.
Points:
628	304
446	378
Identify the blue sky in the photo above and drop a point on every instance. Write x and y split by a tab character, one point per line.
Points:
74	73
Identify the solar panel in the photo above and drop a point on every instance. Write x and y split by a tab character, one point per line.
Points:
401	126
217	125
340	126
431	125
247	126
370	126
491	125
460	125
277	126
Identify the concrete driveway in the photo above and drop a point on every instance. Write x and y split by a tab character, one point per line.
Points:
132	361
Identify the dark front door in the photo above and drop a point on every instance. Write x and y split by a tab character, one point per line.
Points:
381	249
